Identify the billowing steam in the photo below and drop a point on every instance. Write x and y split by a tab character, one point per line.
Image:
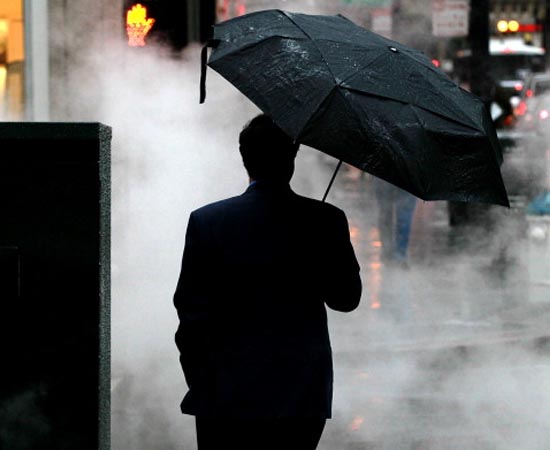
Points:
430	360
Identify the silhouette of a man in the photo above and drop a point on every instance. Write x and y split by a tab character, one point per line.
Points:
256	273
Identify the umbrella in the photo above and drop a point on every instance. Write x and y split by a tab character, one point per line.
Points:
366	100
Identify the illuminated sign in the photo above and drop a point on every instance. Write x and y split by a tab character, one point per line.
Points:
513	26
138	25
502	26
530	28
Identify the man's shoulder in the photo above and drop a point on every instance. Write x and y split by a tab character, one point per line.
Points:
233	205
217	206
318	205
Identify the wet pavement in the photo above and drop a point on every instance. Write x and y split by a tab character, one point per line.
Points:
460	284
451	350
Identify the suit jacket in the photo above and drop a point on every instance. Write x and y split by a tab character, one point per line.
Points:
256	273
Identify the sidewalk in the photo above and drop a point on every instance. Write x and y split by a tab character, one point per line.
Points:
460	294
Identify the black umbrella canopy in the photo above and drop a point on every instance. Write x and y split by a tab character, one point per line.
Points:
366	100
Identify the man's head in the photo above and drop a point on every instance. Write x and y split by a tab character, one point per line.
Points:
268	152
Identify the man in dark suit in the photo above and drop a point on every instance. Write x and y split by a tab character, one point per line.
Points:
256	273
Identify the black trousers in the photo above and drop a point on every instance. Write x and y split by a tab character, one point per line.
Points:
259	434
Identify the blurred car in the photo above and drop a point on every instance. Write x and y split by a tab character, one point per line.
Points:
527	157
503	103
535	120
536	85
511	63
525	139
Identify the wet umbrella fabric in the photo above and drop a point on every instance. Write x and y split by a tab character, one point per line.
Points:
368	101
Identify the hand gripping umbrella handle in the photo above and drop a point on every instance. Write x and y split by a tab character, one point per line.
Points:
212	43
332	180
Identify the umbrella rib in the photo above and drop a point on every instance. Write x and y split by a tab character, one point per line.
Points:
328	68
472	127
411	56
337	90
363	67
430	67
234	48
314	43
352	106
416	106
315	111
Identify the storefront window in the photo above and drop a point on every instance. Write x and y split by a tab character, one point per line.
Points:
12	56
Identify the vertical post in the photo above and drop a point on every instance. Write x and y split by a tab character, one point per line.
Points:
193	25
480	83
546	33
37	60
207	19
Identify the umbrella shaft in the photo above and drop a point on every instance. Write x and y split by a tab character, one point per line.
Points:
332	180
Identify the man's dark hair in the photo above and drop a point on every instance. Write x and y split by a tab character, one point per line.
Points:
267	151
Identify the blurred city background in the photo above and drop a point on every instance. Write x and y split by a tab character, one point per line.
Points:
450	347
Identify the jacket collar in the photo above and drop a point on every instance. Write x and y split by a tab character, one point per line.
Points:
269	186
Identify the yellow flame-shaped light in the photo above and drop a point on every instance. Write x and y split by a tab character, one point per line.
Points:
138	25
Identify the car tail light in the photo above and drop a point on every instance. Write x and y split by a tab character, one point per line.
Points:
529	93
508	120
521	109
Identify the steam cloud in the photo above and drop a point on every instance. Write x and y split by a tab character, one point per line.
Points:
423	380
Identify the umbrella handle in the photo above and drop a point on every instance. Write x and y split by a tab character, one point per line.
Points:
212	43
332	180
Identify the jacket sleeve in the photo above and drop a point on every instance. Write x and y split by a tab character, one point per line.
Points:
191	301
342	278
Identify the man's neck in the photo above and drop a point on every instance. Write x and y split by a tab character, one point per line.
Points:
252	181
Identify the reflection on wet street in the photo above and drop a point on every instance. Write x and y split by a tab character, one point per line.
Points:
447	349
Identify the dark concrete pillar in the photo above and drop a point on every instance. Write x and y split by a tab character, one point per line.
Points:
478	37
55	286
482	85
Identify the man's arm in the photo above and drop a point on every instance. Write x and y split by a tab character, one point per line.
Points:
343	282
191	302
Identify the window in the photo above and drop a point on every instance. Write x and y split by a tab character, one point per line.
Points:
12	57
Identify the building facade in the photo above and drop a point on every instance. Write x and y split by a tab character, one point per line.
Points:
45	44
12	60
